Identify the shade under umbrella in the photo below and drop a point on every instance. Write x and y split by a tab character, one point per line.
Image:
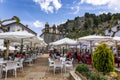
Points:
2	48
92	38
116	38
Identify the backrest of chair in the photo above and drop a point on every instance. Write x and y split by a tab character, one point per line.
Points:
51	63
49	60
11	64
16	59
21	60
58	64
72	60
63	58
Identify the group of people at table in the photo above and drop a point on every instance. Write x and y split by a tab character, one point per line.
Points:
79	56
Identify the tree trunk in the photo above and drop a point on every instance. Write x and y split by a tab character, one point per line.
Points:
7	44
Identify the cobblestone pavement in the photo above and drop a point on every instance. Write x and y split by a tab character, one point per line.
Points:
38	71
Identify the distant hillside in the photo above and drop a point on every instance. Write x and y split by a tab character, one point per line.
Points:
89	24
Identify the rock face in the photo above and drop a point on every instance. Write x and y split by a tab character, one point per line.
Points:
91	24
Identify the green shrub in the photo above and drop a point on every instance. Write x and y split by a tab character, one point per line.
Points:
96	76
83	69
103	59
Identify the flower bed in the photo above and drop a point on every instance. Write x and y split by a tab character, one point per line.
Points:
82	70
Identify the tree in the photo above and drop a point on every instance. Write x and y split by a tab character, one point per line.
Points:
103	59
6	42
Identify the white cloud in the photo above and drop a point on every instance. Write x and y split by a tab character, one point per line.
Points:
96	2
112	4
101	12
49	5
76	8
38	24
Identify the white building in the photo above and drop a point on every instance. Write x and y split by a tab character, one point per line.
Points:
12	27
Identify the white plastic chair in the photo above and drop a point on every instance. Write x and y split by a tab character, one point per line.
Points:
20	64
16	59
68	64
28	60
63	59
39	55
10	66
1	66
1	59
50	63
58	64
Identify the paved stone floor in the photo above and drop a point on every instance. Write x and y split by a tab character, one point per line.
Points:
38	71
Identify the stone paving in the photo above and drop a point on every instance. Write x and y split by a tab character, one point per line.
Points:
38	71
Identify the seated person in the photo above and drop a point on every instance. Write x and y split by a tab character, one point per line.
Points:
69	55
18	55
56	54
51	54
23	55
79	57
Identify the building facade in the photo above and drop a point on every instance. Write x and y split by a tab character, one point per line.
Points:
51	34
12	27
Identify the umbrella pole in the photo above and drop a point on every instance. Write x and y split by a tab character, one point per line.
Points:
66	49
116	48
80	47
63	51
21	50
90	47
31	48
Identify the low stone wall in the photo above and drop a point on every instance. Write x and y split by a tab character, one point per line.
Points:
74	76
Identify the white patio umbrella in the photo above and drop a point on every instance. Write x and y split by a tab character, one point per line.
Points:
64	41
12	48
93	38
16	36
34	39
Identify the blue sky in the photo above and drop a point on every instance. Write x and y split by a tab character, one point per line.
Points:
36	13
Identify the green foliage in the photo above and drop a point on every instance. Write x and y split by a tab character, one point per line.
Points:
16	18
91	24
103	59
83	69
97	76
